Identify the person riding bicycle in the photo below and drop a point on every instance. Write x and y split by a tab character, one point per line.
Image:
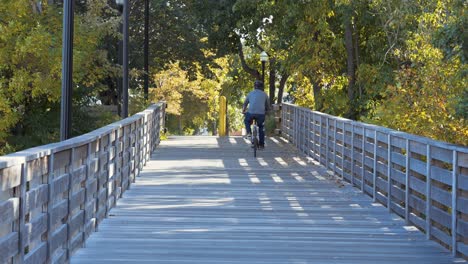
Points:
258	105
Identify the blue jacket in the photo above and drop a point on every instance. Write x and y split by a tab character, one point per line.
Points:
258	102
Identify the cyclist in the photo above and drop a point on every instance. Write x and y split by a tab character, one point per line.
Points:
258	105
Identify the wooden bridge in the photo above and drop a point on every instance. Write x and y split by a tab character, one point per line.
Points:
207	200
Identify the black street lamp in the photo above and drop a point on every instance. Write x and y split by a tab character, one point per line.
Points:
263	59
67	70
124	113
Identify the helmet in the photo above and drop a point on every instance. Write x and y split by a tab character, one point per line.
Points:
258	85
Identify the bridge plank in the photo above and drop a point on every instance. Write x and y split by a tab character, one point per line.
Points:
207	200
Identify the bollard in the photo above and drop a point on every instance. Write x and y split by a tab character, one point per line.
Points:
222	116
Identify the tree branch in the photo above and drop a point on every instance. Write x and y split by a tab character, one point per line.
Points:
251	71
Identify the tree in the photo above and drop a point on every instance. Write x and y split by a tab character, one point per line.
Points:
30	69
424	98
192	104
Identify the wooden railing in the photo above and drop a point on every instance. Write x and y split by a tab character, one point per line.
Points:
422	180
53	197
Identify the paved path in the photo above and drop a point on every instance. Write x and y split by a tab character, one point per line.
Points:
207	200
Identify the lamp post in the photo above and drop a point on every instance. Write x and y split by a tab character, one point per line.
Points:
67	70
125	57
263	59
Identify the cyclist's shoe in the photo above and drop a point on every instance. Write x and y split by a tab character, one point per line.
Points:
248	136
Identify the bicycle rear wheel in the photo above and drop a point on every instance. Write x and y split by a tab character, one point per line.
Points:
255	147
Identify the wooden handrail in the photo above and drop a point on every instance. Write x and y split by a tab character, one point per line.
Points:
423	180
53	197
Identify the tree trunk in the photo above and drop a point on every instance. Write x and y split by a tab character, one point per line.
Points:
180	124
317	96
356	54
350	64
316	89
271	81
350	58
284	78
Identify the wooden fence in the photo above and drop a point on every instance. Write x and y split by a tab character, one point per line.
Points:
53	197
422	180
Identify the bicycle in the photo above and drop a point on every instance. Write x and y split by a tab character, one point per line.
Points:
255	139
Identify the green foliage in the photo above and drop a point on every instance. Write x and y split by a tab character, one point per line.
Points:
409	62
137	102
461	105
270	125
428	95
30	70
192	104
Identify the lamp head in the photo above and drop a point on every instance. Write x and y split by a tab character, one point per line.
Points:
120	2
263	56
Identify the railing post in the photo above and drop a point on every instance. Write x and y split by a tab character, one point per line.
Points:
428	191
50	207
308	134
352	153
300	131
69	194
374	176
296	127
299	134
335	133
407	176
320	140
343	148
284	120
86	181
292	125
304	132
363	151
107	151
293	132
22	213
314	150
389	171
454	202
327	145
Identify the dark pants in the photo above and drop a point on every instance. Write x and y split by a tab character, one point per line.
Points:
260	121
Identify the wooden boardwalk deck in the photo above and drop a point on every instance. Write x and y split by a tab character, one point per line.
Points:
207	200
